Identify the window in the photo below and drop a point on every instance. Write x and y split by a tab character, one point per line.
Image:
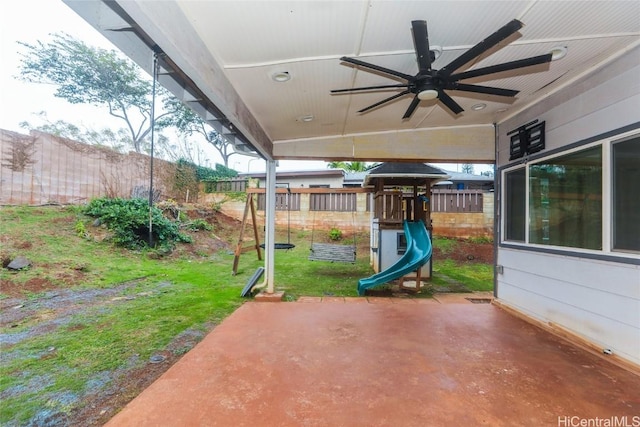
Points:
585	198
515	209
626	199
401	243
565	200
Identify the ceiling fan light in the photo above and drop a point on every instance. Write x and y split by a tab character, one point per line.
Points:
479	106
428	94
558	52
437	51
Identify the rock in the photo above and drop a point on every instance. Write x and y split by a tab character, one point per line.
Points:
97	222
157	358
19	263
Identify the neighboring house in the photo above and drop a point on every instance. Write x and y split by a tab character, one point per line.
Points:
337	178
354	179
324	178
465	181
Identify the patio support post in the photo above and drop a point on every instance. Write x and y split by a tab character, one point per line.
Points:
270	222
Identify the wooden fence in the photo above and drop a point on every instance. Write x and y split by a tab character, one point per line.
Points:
456	201
226	186
284	201
337	202
449	201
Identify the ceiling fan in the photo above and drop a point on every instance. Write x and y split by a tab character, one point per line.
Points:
430	84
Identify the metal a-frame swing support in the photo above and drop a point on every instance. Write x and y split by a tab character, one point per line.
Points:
249	206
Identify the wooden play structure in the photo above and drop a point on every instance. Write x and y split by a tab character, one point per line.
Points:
401	194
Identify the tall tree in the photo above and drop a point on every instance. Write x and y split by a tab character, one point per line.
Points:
189	123
117	140
467	168
89	75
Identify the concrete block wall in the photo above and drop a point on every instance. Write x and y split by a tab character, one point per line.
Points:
458	224
302	219
465	225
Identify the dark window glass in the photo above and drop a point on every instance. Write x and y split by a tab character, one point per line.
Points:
515	201
565	200
626	195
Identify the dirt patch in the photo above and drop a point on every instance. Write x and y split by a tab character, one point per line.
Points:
35	285
208	242
109	391
466	251
24	245
100	406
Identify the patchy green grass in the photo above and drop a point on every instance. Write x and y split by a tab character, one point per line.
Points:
473	276
55	355
122	332
445	244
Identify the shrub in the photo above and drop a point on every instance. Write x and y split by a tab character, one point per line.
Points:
335	234
128	219
199	224
81	230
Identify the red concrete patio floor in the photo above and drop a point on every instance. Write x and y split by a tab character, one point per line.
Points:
384	362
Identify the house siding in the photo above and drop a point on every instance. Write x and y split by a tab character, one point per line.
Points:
596	300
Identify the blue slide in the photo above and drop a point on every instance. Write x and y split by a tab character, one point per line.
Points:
418	254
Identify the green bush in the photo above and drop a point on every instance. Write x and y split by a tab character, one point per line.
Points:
335	234
128	219
81	230
199	224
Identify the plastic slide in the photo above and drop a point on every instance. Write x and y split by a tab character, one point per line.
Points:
418	254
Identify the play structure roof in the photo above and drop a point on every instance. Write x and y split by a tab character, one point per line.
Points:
400	173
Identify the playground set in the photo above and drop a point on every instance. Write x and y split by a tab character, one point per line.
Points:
400	237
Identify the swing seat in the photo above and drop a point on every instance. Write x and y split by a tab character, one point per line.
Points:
280	246
333	253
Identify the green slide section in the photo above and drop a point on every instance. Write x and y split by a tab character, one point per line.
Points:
418	254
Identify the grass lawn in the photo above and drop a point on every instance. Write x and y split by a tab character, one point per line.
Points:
86	313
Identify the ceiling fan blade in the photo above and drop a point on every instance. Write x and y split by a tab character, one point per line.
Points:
482	89
412	107
391	98
449	102
507	66
354	89
377	68
486	44
421	41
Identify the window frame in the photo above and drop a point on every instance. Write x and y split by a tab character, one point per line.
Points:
607	252
503	195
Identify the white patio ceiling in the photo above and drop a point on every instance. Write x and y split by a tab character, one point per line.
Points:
227	52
